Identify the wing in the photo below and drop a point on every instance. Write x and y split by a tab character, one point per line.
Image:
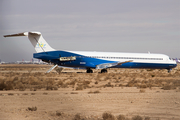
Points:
107	65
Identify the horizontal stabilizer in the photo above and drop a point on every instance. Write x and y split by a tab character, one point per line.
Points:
23	34
108	65
19	34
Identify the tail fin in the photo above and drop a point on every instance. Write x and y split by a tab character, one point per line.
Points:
36	39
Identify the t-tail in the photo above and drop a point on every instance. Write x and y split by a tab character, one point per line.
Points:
40	45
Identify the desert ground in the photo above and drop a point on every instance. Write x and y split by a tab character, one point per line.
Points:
28	93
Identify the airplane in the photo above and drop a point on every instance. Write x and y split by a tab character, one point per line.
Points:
94	60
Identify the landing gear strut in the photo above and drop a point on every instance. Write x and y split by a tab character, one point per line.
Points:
169	70
89	70
104	71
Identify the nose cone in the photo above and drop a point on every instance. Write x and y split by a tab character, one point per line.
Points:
172	64
175	65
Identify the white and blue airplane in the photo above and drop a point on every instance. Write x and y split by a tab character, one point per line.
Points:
95	60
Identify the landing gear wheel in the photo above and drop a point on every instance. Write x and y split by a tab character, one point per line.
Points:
89	71
169	70
103	71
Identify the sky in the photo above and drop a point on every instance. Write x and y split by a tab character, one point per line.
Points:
136	26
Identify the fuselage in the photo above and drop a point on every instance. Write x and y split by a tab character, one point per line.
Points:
86	59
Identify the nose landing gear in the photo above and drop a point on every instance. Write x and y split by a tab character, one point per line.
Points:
89	70
169	70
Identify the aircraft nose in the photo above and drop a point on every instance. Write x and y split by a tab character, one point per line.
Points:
175	65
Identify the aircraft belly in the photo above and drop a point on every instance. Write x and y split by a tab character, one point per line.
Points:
146	65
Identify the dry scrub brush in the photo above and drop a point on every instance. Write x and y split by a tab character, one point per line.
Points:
108	116
22	83
8	85
82	85
171	84
78	117
10	93
165	84
137	118
121	117
142	91
94	92
109	85
32	108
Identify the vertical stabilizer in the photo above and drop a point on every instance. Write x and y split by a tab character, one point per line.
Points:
40	45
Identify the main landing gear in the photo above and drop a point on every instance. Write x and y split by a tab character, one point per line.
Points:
104	71
89	70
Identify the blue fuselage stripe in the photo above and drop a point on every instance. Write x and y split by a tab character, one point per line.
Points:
88	62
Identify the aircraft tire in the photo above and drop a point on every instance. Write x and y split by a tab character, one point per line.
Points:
89	71
103	71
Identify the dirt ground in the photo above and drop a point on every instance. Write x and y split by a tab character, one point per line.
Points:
27	93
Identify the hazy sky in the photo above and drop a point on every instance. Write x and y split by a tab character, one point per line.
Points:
91	25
